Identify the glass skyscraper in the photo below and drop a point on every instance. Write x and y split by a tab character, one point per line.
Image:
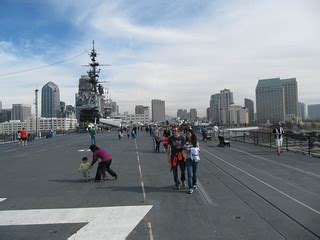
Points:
50	100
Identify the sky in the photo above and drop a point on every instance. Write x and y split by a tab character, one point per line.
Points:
180	51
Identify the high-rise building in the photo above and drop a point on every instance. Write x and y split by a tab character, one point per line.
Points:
270	101
215	107
301	111
278	100
314	111
6	115
226	98
139	109
290	97
193	114
182	113
158	110
248	103
0	107
50	100
20	112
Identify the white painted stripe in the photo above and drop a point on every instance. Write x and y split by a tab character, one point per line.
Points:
11	150
42	150
270	186
81	150
150	231
280	164
2	199
20	155
103	223
143	191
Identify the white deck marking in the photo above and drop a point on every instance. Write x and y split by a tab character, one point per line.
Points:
281	164
2	199
143	191
103	223
81	150
267	184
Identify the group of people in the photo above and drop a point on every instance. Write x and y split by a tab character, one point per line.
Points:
22	137
103	165
184	153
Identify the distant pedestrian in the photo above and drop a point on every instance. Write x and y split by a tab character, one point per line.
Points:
278	135
192	151
215	131
19	137
165	139
176	158
24	137
92	132
104	163
204	132
84	168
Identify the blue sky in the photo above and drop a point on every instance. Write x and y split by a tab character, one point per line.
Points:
178	51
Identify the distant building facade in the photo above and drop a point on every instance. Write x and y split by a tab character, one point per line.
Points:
302	111
193	114
182	113
270	101
20	112
158	110
50	100
277	100
248	103
314	111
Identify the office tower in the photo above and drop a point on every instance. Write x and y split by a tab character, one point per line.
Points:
290	97
314	111
0	107
50	100
20	112
302	110
215	108
182	113
270	101
226	98
139	109
6	115
248	103
158	110
193	114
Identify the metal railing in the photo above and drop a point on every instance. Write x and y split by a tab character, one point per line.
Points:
291	142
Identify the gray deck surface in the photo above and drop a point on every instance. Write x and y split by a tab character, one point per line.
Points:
245	192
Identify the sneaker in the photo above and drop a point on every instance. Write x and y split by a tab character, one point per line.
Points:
178	187
190	191
183	185
194	187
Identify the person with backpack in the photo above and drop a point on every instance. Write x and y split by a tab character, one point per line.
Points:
176	158
278	135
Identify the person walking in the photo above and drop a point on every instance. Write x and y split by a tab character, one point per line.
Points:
92	132
192	150
24	137
104	163
176	158
278	135
215	131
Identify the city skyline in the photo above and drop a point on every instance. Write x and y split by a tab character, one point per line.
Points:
160	49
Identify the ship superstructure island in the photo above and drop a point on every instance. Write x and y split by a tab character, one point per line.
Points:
92	102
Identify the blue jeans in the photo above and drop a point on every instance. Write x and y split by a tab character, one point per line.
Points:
182	166
93	139
192	167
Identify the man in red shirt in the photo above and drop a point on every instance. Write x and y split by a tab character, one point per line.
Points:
104	164
24	137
